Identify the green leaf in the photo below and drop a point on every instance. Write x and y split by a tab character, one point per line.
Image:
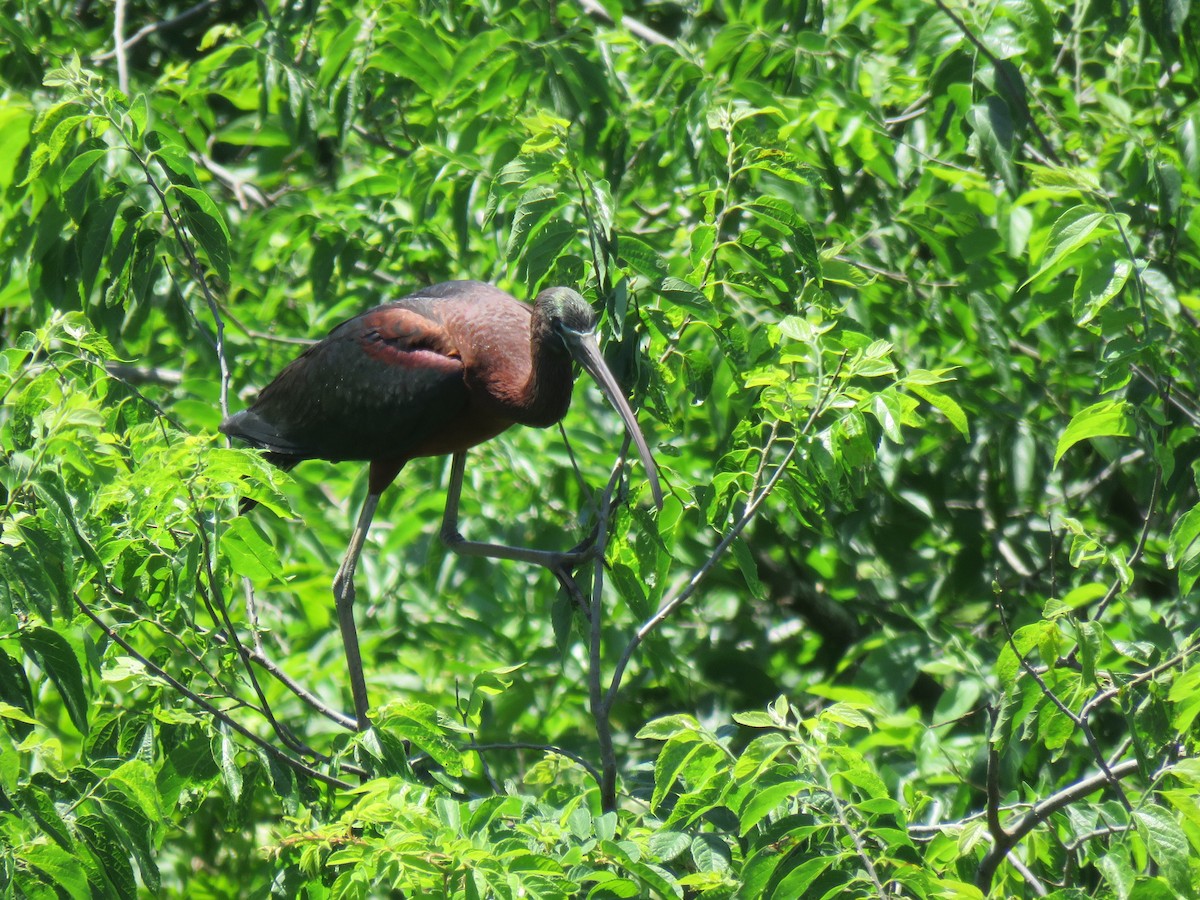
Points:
57	659
135	779
1073	230
943	403
993	124
668	726
710	853
249	552
749	568
785	165
765	800
534	208
1166	842
206	224
418	722
666	845
1108	418
38	804
684	295
59	868
79	167
676	754
1185	695
114	869
641	257
800	877
1183	549
1100	279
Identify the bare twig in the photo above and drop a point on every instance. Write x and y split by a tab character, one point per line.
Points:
600	708
893	276
1148	675
1141	544
1030	879
698	576
131	375
244	191
689	587
214	602
995	827
197	273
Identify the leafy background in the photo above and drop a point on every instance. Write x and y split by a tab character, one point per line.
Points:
907	297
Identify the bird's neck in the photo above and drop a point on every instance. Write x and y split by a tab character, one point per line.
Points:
547	393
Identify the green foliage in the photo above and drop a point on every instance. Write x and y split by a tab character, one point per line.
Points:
906	296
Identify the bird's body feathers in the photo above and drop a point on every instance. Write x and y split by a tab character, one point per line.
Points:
435	372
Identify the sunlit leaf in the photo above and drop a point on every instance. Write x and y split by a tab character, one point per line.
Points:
1108	418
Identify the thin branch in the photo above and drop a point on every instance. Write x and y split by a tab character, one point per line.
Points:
147	30
1030	879
197	273
995	827
1079	840
1141	544
1001	73
1078	721
130	374
689	588
894	276
215	712
259	658
214	602
244	192
843	820
645	32
1147	675
1042	811
1182	402
700	574
119	47
596	697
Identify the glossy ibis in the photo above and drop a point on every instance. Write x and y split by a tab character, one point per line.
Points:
436	372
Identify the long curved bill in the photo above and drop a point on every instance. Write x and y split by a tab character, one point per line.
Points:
586	351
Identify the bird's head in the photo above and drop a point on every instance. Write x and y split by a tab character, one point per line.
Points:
565	313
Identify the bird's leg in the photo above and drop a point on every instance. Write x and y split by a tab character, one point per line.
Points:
554	560
343	596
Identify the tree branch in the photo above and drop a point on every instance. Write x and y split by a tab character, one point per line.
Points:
1042	811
